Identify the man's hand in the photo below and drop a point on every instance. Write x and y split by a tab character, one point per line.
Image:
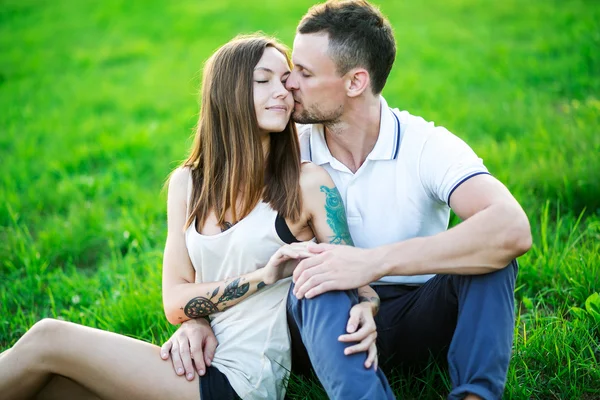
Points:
194	340
334	267
361	328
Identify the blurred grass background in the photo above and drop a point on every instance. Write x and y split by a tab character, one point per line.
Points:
98	100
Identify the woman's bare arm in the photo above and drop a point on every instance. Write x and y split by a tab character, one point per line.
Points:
182	298
328	217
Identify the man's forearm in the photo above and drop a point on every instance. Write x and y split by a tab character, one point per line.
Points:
487	241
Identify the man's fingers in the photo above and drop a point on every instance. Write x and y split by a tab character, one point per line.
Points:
306	265
301	289
165	349
324	287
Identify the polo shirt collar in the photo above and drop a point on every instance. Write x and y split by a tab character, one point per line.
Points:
388	141
386	147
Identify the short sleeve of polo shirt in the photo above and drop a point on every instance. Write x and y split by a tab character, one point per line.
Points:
446	162
304	139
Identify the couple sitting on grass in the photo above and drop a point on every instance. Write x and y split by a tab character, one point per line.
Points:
310	251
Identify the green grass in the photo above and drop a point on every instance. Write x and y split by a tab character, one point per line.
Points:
98	100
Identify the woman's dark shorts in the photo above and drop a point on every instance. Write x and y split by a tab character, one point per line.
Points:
215	386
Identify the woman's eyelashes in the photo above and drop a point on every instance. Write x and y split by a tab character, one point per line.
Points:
283	81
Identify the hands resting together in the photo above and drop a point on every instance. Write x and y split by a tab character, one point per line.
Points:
193	345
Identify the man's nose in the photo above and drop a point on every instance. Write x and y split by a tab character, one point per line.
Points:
291	83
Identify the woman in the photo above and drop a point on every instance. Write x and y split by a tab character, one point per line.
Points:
241	201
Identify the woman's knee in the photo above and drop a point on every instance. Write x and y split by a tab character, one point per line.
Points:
47	326
44	332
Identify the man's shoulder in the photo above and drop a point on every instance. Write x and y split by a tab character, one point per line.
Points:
304	130
304	138
417	131
415	124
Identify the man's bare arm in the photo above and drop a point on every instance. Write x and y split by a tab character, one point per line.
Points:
494	231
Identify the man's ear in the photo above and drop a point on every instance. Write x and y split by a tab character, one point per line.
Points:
357	81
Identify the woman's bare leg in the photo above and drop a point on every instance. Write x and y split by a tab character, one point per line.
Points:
109	365
60	388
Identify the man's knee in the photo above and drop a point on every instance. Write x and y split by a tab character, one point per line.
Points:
507	274
504	275
329	302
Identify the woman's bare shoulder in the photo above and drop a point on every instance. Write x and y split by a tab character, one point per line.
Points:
313	176
179	180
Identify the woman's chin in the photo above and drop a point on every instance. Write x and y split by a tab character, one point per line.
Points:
274	128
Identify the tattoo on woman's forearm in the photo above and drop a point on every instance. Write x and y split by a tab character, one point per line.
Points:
336	216
373	300
200	306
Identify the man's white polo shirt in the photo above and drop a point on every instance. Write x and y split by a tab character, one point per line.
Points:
403	188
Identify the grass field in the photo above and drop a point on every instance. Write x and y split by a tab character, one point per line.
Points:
98	100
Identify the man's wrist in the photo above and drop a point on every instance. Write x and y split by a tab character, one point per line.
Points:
378	262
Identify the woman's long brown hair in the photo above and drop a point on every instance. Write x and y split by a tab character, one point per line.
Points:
229	170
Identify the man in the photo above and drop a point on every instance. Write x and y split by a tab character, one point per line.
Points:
442	291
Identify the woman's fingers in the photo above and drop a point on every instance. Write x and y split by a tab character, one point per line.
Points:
165	349
176	358
371	357
364	333
362	346
185	355
197	355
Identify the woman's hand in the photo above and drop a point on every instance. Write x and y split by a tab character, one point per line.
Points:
194	343
362	318
278	266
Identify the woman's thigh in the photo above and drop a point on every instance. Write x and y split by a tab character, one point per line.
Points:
60	388
110	365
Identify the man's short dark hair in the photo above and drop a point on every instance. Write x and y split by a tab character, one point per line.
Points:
359	36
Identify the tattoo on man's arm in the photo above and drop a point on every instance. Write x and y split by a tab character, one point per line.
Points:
373	300
336	216
200	306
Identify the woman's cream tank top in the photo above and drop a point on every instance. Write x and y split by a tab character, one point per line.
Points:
254	343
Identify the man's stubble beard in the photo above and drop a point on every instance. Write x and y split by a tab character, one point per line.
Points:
317	117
